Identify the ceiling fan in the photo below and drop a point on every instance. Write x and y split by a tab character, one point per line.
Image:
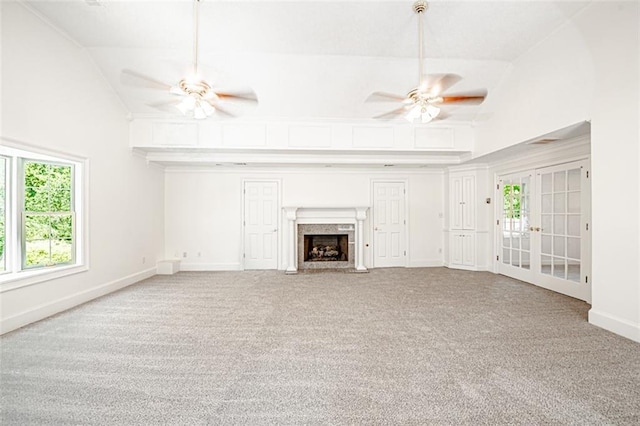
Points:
423	103
194	95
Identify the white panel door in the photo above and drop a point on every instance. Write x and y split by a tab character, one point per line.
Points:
261	225
389	224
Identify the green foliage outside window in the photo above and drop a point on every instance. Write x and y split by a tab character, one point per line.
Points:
512	201
48	219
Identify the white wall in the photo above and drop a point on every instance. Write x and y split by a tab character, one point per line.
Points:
54	98
588	70
204	211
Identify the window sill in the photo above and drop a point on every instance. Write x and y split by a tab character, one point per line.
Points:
16	280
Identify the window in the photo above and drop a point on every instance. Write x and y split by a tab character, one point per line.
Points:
41	218
47	215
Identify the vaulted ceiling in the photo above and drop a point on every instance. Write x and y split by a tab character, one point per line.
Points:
305	59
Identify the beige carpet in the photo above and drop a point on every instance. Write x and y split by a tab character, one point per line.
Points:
428	346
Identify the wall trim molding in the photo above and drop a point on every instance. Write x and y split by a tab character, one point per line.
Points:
46	310
425	263
193	267
615	324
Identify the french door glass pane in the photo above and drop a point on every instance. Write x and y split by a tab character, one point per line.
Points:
558	246
526	260
559	183
574	180
573	202
545	266
558	224
559	203
546	183
573	225
558	268
546	244
573	248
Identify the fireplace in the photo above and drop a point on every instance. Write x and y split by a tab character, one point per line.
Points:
326	248
336	233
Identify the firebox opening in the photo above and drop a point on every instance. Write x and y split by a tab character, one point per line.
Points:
326	248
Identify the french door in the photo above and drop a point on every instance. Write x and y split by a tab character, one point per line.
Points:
544	233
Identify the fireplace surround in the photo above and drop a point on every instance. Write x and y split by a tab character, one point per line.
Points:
340	232
325	246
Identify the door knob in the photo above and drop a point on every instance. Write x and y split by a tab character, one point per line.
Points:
275	230
538	229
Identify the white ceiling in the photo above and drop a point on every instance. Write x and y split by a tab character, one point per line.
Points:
306	59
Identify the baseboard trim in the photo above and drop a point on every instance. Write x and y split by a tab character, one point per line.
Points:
615	325
466	268
425	263
46	310
210	267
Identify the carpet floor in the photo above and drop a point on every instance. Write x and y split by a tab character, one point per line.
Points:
424	346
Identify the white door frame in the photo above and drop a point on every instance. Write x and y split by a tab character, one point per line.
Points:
278	183
370	232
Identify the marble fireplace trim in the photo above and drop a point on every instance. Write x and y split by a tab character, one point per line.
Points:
326	229
325	215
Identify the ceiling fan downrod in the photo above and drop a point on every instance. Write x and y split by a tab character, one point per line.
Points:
420	7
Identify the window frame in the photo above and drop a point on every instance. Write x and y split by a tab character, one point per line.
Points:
15	274
6	209
22	161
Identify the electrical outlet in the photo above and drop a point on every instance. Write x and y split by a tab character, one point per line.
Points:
440	250
184	254
199	254
144	259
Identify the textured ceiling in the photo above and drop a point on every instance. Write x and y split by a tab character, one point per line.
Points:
306	59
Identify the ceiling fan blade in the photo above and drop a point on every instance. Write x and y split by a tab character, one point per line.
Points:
442	115
475	98
240	95
391	114
385	97
167	106
220	109
436	84
134	78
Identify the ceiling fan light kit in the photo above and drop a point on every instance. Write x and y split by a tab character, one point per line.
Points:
422	104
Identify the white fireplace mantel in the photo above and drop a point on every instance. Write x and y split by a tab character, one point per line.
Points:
325	215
